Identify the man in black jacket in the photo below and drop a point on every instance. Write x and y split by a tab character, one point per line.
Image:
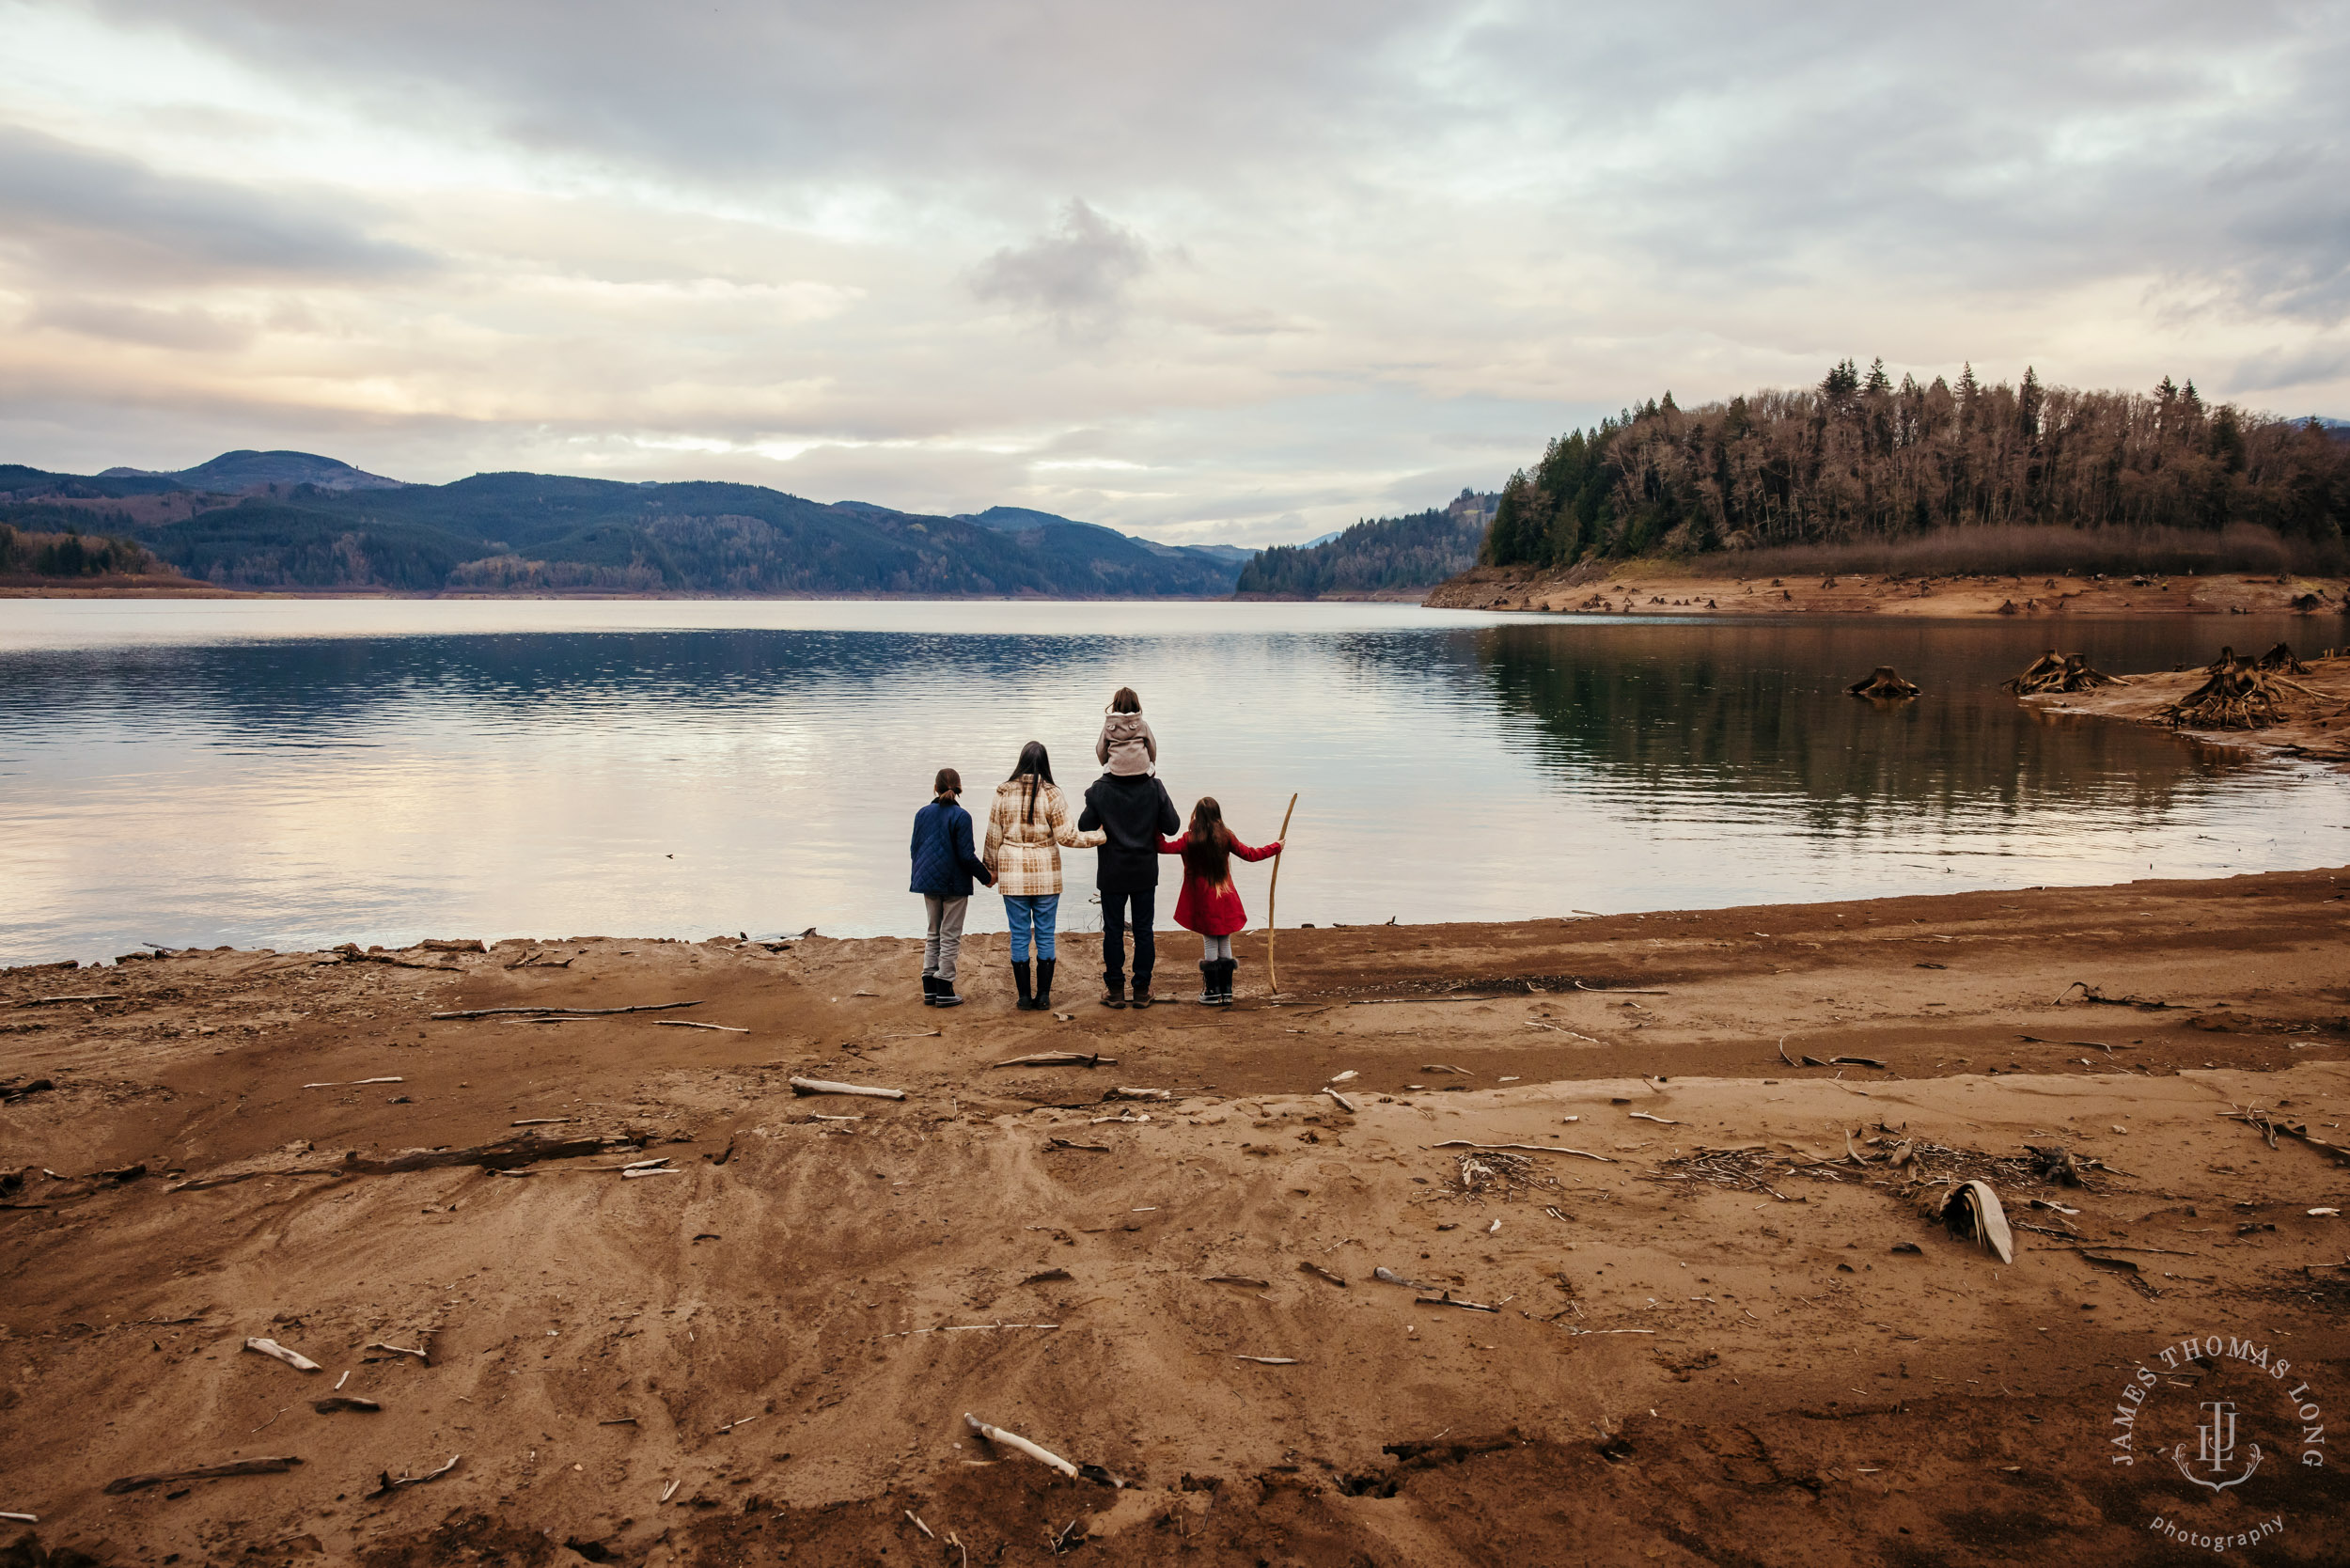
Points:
1135	812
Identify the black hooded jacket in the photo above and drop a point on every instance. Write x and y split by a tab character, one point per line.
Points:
1135	812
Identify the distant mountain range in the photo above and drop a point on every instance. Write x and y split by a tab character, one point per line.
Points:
294	520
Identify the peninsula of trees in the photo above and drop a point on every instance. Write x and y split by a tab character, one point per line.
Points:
1861	461
1376	556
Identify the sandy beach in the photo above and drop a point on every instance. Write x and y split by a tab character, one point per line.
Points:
1726	1326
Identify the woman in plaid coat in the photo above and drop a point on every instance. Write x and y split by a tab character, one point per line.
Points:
1026	828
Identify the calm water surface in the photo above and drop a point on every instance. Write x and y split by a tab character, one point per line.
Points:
297	772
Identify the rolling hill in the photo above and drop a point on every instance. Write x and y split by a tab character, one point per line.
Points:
295	521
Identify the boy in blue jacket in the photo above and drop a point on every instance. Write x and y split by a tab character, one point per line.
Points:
944	864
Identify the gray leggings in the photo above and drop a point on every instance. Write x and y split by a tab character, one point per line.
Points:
942	934
1212	949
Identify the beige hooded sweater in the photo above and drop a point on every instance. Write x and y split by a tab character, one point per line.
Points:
1126	746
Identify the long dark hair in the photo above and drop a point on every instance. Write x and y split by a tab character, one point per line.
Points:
1208	846
1035	766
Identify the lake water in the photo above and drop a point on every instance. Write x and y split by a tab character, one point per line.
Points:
293	773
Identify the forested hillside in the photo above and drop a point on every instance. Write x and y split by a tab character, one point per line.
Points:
536	533
71	555
1375	556
1861	459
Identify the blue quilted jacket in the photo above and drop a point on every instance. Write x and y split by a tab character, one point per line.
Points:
944	862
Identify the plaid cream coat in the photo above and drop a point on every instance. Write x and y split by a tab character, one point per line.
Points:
1023	848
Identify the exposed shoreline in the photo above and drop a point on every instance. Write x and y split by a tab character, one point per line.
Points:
2316	726
1636	1386
1656	587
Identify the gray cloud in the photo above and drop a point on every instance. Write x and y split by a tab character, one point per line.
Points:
1391	243
84	213
1076	277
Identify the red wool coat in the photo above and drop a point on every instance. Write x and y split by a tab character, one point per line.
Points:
1212	909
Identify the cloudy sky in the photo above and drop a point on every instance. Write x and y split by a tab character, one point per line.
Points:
1209	270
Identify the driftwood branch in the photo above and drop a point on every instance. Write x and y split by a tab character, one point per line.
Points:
276	1466
1530	1147
393	1483
689	1024
566	1012
1060	1059
1043	1456
823	1085
1271	903
293	1358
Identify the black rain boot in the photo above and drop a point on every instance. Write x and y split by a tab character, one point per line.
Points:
946	997
1207	982
1113	991
1224	988
1045	985
1020	983
929	990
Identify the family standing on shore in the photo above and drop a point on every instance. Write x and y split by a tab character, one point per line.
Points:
1128	817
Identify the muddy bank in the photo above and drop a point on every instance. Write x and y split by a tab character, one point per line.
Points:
1725	1331
1654	587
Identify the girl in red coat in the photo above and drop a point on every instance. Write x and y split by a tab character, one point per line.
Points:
1209	903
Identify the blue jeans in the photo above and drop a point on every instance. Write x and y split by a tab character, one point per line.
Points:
1028	915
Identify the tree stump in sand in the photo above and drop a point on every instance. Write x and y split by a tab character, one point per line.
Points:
2240	698
2054	672
2282	657
1884	681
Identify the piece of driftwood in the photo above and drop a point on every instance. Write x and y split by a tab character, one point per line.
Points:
293	1358
2092	993
1660	1121
1272	903
566	1012
343	1402
1060	1059
354	1083
1386	1276
1972	1211
457	945
274	1466
59	1001
1243	1280
389	1483
1053	1143
919	1524
402	1350
2099	1044
1400	1002
1271	1360
1617	990
1340	1101
824	1085
1447	1299
648	1170
2268	1124
1323	1274
543	1122
689	1024
15	1518
1123	1093
1855	1061
1529	1148
1042	1455
511	1155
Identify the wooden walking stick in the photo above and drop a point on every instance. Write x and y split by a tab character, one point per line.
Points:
1272	972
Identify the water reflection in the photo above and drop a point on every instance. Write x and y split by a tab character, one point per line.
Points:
313	785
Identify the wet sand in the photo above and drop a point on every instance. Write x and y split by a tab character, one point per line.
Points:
1774	1358
1651	587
